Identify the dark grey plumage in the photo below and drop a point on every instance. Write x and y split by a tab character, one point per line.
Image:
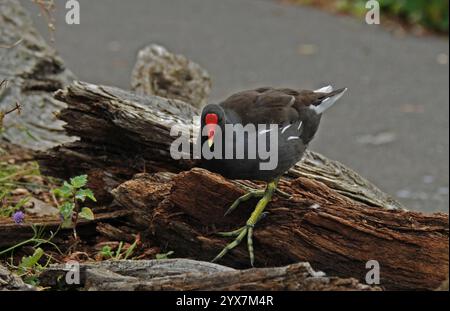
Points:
293	111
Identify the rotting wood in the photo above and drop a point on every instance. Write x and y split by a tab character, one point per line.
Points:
317	224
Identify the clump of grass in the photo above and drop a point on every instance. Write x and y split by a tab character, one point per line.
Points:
122	252
13	176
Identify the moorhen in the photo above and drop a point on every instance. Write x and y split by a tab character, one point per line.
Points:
284	119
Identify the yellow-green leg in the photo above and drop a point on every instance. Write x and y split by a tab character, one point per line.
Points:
245	197
247	230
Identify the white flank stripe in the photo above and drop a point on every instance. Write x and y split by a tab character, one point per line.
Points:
292	101
264	131
300	125
285	128
293	137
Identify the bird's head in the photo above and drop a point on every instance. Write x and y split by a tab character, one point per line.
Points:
213	116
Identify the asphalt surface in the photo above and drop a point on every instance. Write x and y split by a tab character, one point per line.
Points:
392	126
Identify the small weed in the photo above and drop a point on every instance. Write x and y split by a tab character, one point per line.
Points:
37	240
72	194
30	268
119	254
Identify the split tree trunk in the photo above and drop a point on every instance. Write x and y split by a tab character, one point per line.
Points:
317	224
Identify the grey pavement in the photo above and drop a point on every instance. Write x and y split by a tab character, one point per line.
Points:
392	126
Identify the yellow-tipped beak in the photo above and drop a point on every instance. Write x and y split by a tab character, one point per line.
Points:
210	142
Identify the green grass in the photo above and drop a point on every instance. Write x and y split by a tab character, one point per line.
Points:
12	177
431	14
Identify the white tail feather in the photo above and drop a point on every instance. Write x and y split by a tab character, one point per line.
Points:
328	102
325	89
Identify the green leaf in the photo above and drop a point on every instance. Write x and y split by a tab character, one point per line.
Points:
82	194
29	262
66	210
164	256
67	223
79	181
31	280
86	213
65	191
106	251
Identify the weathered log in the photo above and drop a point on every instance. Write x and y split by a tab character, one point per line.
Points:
184	274
159	72
33	71
122	133
332	232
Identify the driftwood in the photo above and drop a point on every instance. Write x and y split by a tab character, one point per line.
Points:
159	72
33	71
184	274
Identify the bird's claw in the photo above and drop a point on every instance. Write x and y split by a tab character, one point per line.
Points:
256	215
231	233
240	233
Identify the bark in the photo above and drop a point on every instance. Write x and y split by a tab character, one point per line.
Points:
332	232
184	274
10	281
33	71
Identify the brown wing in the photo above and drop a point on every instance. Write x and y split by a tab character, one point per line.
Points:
269	106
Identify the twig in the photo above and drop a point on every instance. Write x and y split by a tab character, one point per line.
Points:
18	107
3	83
4	46
47	7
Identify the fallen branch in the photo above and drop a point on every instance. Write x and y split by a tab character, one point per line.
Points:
184	274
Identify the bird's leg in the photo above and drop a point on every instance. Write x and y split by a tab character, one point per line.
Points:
247	230
252	193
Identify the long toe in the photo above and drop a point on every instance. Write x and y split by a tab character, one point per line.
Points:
244	198
231	233
230	246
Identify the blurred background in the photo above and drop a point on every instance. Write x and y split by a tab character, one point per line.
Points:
392	126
